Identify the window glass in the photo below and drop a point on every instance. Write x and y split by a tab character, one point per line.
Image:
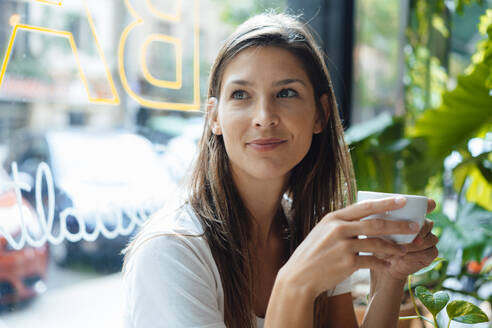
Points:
464	37
376	58
100	112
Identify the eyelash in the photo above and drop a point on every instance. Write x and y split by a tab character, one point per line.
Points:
236	92
289	89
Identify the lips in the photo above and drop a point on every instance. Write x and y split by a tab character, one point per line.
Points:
266	144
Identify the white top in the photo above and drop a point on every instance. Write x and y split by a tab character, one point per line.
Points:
171	279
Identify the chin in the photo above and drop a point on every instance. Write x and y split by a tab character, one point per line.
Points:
268	172
264	168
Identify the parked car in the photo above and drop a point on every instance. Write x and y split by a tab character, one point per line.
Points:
109	181
23	271
181	150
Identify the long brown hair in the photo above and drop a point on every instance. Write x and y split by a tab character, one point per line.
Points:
322	182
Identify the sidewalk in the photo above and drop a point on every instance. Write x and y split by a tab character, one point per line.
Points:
92	303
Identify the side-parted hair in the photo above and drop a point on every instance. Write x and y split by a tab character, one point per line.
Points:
322	182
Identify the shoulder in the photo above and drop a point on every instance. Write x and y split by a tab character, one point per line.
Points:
179	219
170	275
175	222
171	232
171	245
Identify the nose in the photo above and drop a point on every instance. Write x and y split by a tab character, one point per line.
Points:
265	114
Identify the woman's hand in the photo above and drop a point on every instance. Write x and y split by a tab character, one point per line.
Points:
420	253
330	252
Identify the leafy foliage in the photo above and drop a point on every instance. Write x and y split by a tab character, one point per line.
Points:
465	112
433	302
458	310
437	261
375	147
389	157
460	4
465	312
469	232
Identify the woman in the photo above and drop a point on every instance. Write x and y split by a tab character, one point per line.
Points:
265	236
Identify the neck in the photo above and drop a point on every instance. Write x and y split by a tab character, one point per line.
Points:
262	199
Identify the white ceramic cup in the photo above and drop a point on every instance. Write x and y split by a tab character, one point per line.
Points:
414	210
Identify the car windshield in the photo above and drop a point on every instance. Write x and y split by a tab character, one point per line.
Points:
115	167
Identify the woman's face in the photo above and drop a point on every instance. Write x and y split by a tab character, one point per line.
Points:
266	113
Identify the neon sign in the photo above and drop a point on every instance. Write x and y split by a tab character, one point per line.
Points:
140	24
46	220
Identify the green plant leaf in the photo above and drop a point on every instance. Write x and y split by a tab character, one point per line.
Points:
465	312
438	24
466	109
462	169
433	302
485	22
473	170
462	114
437	261
487	266
460	173
375	148
359	132
418	167
471	230
480	190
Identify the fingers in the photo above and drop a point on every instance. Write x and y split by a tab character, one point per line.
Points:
381	248
370	262
369	207
378	227
420	243
426	229
431	205
424	257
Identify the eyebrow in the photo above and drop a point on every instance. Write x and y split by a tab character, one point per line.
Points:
289	81
278	83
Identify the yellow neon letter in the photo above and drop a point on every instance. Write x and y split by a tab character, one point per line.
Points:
179	61
68	35
177	83
50	2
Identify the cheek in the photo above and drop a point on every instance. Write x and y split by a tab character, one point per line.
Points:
304	143
302	129
302	125
233	127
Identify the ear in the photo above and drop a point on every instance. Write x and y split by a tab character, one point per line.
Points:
212	111
319	124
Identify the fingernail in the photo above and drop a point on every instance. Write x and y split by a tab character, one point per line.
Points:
414	226
400	200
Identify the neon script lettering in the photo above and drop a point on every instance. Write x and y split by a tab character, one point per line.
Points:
46	220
